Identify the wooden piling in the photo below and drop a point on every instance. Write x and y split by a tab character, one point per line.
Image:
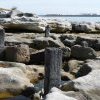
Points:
53	63
2	36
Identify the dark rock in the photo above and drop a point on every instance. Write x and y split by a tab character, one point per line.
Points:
83	27
43	42
91	41
37	57
29	91
87	67
2	53
69	43
20	97
66	52
80	52
84	70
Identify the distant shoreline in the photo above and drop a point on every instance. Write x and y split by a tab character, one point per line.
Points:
51	15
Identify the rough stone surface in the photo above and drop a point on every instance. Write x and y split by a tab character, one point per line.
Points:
57	94
88	85
83	27
43	42
97	26
65	76
59	26
12	82
23	21
72	66
87	67
66	52
18	54
91	41
80	52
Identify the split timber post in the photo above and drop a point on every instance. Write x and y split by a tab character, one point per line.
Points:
53	63
2	43
2	36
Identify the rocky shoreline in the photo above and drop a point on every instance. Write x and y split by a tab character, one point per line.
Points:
22	53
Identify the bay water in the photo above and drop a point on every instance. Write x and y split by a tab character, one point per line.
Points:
76	19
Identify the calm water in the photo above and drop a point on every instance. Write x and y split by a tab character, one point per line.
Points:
76	19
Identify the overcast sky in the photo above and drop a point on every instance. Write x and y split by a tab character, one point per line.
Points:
54	6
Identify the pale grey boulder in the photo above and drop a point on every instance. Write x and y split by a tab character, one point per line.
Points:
56	94
43	42
18	21
58	26
12	82
22	38
88	85
24	23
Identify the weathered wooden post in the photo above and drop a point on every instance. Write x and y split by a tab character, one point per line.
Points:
2	43
53	63
2	36
47	31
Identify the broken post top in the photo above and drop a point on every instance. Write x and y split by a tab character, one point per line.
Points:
47	31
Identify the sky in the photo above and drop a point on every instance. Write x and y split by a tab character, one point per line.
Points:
54	6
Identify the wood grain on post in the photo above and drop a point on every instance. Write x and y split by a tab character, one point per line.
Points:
53	63
2	36
2	43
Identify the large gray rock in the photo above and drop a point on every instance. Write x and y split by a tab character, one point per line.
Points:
81	52
32	72
17	54
83	27
43	42
12	81
88	85
97	26
31	24
59	26
68	39
57	94
23	21
91	41
69	43
88	66
22	38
